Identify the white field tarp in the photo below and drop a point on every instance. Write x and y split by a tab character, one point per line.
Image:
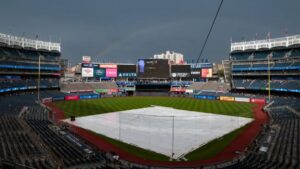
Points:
161	129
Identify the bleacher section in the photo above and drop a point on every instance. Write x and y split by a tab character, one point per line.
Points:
278	145
8	85
88	86
209	86
270	58
262	84
18	145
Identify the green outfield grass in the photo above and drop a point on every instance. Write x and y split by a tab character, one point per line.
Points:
105	105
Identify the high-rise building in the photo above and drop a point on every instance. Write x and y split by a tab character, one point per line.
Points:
175	58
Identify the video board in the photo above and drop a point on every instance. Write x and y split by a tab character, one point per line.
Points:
206	73
153	68
180	70
127	71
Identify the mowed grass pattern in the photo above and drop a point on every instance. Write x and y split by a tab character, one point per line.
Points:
105	105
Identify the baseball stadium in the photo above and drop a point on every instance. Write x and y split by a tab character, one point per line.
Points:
156	112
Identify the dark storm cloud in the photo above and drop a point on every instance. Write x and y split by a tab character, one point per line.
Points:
124	30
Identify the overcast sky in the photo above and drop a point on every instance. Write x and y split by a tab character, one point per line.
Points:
125	30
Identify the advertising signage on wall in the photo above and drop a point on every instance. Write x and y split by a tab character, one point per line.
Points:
206	73
180	74
89	65
99	72
87	72
127	74
201	65
111	72
108	66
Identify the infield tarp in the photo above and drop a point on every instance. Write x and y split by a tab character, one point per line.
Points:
161	129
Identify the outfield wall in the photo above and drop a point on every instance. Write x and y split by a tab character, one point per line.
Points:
72	97
231	98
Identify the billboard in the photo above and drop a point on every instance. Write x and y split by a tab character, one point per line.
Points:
86	59
226	98
206	73
72	97
258	100
126	74
242	99
111	72
153	68
126	70
99	72
108	66
180	70
87	72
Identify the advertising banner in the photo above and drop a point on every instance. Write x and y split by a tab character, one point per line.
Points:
99	72
132	74
86	59
87	72
175	89
111	72
258	100
101	90
180	74
226	98
242	99
114	90
108	66
208	97
72	97
206	73
89	96
189	91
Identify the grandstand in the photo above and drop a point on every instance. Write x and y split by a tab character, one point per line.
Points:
33	135
23	60
252	60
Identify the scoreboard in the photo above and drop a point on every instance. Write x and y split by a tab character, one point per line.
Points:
153	68
181	70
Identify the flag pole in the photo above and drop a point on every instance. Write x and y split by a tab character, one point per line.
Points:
39	77
269	79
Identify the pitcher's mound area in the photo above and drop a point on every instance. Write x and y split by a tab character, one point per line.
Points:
162	129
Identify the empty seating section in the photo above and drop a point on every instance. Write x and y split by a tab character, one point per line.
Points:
69	153
260	65
296	64
261	55
241	66
282	64
240	56
295	53
16	145
279	53
28	65
278	144
28	54
209	86
263	84
87	86
24	84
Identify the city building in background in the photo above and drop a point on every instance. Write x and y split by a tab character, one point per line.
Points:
175	58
